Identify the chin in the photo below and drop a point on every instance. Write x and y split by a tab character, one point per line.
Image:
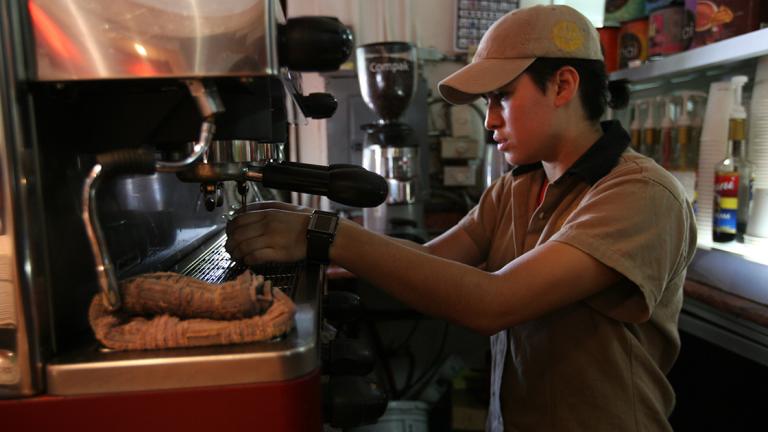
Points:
515	160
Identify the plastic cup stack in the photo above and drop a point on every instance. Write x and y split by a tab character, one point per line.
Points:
712	149
758	125
757	228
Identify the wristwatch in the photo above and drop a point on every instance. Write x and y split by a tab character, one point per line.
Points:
320	234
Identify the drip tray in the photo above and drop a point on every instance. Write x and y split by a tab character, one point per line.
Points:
215	266
91	370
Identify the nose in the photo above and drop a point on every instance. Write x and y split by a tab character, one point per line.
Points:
493	118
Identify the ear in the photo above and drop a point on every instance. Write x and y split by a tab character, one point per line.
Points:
566	85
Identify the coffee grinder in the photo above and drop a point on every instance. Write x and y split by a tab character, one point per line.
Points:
387	76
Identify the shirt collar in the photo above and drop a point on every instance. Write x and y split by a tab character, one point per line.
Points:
598	160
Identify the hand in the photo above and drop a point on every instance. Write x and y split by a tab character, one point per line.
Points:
279	205
269	232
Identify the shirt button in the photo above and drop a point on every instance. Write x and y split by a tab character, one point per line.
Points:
541	216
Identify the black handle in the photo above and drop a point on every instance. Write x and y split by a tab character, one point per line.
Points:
126	161
348	185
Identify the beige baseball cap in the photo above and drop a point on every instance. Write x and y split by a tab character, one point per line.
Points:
513	42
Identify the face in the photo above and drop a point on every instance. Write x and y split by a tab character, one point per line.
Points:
520	116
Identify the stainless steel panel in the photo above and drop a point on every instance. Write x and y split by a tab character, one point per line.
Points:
91	370
89	39
401	192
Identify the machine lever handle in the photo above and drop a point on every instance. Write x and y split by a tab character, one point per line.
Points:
346	184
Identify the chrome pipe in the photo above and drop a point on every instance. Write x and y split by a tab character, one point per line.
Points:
200	148
209	103
105	272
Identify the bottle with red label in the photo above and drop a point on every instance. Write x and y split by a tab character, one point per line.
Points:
733	176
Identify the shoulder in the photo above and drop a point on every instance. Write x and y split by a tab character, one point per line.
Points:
638	173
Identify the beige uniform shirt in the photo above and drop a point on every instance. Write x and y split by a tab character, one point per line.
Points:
593	365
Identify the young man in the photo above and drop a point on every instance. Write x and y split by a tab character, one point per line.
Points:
585	243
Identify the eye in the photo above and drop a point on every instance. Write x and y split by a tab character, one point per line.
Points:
502	95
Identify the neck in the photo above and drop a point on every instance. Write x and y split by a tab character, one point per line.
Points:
571	144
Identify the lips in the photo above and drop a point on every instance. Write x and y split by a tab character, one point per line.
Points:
501	143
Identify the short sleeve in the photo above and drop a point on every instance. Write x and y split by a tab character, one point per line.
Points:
640	227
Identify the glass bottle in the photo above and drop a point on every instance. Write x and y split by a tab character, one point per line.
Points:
734	176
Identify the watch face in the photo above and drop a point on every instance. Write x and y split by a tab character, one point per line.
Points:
324	223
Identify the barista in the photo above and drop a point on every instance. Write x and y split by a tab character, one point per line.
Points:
584	244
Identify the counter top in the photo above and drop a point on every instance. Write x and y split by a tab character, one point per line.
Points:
727	302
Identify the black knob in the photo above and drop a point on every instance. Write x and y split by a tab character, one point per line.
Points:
317	105
350	401
314	44
344	356
341	307
210	203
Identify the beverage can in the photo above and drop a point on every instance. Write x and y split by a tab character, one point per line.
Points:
609	42
633	43
666	30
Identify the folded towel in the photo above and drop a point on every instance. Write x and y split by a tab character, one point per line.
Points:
169	310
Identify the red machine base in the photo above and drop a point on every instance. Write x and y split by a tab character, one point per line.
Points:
285	406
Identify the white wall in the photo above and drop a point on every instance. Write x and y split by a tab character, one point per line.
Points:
426	23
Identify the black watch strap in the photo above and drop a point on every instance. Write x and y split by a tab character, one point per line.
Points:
320	234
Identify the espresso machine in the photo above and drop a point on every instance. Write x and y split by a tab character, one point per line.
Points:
387	75
132	130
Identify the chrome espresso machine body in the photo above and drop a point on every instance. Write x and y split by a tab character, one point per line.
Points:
131	130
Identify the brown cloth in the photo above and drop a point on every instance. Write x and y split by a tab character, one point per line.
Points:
169	310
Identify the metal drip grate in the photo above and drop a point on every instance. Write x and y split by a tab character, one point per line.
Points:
215	266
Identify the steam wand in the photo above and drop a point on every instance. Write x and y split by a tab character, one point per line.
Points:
137	161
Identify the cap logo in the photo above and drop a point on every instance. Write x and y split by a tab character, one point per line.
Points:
567	36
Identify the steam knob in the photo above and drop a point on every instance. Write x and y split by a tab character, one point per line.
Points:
318	105
314	44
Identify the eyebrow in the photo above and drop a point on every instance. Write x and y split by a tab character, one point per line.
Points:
506	88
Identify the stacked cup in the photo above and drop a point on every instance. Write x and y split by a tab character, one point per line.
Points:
757	228
712	149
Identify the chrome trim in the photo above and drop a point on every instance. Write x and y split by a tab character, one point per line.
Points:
401	192
109	372
245	152
34	334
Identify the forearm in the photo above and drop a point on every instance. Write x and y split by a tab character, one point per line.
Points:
430	284
410	244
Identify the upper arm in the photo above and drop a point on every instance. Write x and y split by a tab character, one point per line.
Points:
642	229
546	278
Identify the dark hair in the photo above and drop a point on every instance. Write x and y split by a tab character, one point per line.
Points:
594	89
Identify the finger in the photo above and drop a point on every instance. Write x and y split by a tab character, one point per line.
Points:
271	205
264	255
238	242
246	219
